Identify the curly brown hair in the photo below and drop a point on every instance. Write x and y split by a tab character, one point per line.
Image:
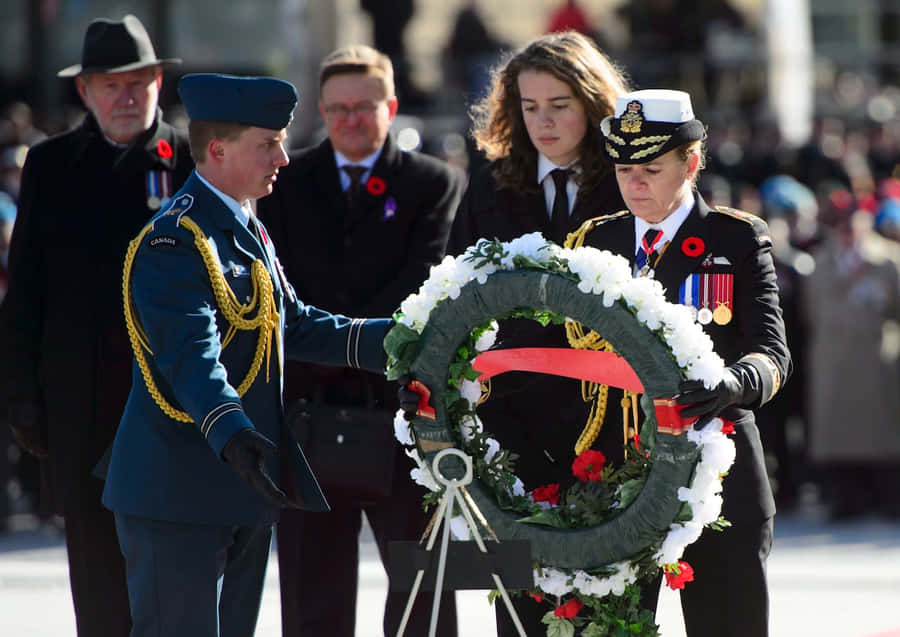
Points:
499	128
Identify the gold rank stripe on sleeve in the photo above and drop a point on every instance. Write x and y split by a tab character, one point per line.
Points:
216	413
353	336
771	368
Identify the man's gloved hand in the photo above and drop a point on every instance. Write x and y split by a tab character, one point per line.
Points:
26	422
705	404
246	452
409	399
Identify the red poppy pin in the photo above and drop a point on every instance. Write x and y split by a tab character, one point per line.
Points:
163	149
693	246
375	186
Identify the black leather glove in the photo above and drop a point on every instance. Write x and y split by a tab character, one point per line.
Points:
26	422
739	386
246	452
409	399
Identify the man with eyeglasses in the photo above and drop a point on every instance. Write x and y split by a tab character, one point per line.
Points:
359	223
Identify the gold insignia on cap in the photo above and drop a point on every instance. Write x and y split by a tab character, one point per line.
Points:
632	118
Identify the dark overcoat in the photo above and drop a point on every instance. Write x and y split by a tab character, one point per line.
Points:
364	261
164	469
537	416
737	244
63	343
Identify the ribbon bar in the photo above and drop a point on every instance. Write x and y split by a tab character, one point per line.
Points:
606	368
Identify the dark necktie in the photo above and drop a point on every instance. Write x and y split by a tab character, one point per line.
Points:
353	191
646	256
559	214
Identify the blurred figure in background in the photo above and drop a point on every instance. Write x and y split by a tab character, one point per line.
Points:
389	21
12	160
887	219
471	52
790	208
852	300
7	454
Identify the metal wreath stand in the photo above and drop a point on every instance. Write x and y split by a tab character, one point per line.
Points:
454	493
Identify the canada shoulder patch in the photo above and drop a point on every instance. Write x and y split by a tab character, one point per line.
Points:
163	241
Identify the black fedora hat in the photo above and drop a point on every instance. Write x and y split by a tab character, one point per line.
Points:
115	47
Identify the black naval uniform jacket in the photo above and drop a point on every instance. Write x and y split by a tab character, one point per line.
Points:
63	343
538	416
738	244
360	262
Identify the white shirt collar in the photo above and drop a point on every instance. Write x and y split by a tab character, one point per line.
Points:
545	166
669	225
241	211
368	162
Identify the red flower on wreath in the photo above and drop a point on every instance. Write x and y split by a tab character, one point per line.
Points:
163	149
375	186
569	609
588	465
547	493
677	575
693	246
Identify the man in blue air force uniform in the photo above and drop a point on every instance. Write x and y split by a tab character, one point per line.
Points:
211	317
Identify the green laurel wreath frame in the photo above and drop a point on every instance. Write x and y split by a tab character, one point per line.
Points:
645	521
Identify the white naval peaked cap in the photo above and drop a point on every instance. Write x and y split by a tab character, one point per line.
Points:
660	105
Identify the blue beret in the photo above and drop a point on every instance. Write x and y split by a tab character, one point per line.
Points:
256	101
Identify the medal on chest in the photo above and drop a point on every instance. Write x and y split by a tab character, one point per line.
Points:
159	188
710	295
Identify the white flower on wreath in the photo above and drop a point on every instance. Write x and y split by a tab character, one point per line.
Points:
609	275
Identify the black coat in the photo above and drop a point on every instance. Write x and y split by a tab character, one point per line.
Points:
756	327
537	416
63	342
359	263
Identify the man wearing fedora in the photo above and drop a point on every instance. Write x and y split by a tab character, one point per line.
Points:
65	358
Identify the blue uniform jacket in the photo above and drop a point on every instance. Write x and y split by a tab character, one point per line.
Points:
164	469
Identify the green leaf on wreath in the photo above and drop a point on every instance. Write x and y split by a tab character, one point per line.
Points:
629	492
685	513
400	345
593	630
558	626
550	517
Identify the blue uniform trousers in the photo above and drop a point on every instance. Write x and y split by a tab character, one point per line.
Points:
188	580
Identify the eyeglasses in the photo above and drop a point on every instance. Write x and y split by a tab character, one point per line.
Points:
342	111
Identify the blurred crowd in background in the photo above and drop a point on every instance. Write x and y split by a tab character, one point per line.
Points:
832	201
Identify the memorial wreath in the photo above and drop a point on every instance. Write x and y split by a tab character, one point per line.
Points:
593	541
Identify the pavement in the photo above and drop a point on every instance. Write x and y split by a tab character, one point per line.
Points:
827	580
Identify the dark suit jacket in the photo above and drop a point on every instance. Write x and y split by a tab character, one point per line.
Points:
163	469
756	326
537	416
362	262
62	334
